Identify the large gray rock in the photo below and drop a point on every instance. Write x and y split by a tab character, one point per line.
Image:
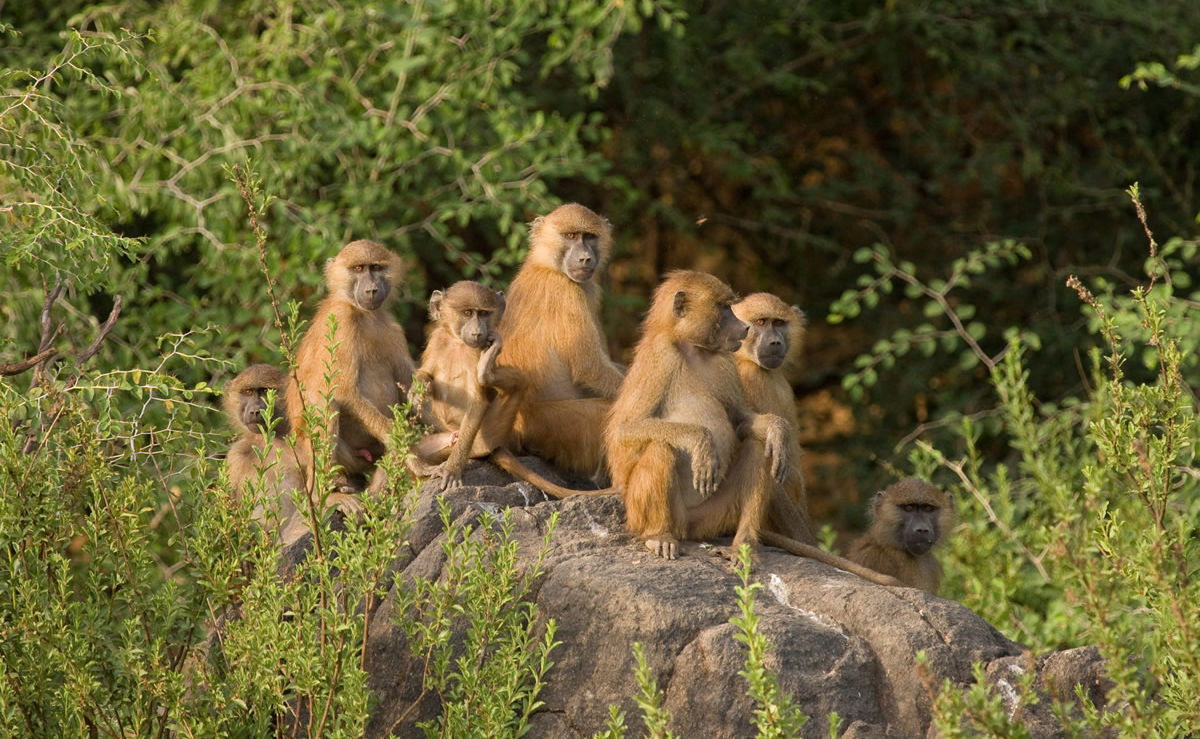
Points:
838	643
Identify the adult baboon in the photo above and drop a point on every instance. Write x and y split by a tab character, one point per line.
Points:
552	337
472	400
770	349
909	518
370	360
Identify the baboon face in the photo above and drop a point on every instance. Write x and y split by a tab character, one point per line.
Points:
918	527
579	255
365	277
731	330
246	396
776	328
469	311
572	239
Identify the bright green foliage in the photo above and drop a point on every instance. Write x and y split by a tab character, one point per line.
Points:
406	123
1089	535
489	684
775	715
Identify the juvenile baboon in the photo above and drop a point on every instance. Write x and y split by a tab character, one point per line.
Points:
472	400
245	403
552	337
770	349
909	518
370	357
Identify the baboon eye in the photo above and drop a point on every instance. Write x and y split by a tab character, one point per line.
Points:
908	507
357	268
780	322
467	313
250	391
570	235
761	322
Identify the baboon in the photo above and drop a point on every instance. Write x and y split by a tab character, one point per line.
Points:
770	349
472	400
552	337
908	519
689	456
244	402
370	357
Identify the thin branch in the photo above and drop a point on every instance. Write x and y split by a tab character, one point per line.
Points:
105	328
16	368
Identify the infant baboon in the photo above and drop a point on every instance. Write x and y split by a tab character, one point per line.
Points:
370	356
471	400
909	518
768	352
552	337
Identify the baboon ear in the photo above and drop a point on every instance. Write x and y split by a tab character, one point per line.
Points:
536	223
501	303
435	305
680	303
876	499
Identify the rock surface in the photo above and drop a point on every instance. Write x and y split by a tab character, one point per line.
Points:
837	642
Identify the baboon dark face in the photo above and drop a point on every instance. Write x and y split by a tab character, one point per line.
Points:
368	285
579	256
768	342
245	399
468	310
731	330
918	527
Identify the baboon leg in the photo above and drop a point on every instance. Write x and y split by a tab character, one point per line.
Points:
655	509
741	500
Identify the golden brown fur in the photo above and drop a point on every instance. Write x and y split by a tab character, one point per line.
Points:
472	400
691	459
374	368
771	347
909	518
554	340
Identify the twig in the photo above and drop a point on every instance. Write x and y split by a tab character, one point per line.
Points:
105	328
16	368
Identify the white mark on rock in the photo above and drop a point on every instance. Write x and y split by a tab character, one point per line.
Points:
1008	694
594	525
779	589
525	489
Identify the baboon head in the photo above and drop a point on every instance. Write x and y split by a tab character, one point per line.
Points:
572	239
776	330
695	308
468	310
362	274
245	399
916	513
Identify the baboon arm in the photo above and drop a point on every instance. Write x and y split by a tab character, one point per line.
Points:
682	436
776	435
591	366
378	424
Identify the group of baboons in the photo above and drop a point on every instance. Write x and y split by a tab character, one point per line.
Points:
698	435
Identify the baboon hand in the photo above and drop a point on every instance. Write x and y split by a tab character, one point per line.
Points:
487	360
777	451
663	546
706	467
444	479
